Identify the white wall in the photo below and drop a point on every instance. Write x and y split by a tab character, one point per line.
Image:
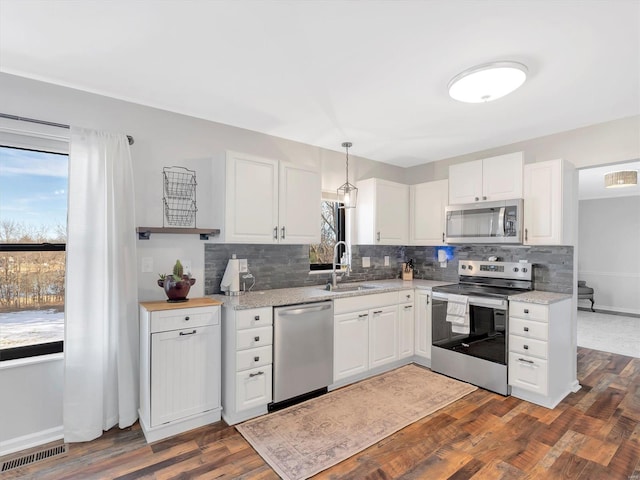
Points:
609	255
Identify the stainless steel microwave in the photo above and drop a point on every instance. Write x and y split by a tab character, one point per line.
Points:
485	222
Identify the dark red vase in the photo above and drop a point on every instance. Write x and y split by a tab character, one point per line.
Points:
176	291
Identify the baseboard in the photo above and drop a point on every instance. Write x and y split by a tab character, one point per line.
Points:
31	440
612	311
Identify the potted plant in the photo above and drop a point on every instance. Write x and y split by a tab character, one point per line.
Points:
177	284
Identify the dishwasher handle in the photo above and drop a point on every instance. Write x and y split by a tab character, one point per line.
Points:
305	310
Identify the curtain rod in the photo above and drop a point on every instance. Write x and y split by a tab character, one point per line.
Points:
44	122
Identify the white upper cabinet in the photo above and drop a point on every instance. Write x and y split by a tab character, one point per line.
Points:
267	201
426	208
382	213
549	203
486	180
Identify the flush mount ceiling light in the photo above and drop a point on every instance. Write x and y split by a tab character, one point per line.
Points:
487	82
625	178
347	193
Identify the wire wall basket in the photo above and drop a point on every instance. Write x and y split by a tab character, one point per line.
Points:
179	196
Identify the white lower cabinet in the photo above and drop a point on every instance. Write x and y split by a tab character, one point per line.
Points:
247	353
540	351
383	335
350	344
422	338
180	367
406	327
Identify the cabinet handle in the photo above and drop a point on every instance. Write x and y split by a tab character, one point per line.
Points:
526	329
526	234
427	299
526	310
257	339
256	359
525	360
362	315
275	232
282	233
484	198
526	347
477	199
442	237
408	296
257	318
187	333
378	236
377	312
255	374
408	306
186	319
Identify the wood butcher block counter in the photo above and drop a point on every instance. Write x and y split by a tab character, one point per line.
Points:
160	305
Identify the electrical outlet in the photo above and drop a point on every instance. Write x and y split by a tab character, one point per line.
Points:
366	262
386	260
146	265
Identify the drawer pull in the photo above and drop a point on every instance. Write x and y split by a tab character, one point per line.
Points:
526	310
408	306
526	329
257	339
187	333
525	360
251	375
526	347
257	318
186	319
256	359
377	312
465	345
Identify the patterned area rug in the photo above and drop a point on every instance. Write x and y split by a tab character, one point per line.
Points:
305	439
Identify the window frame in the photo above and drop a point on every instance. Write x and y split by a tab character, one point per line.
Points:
342	236
35	138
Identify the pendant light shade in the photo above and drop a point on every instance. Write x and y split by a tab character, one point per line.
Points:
487	82
347	193
625	178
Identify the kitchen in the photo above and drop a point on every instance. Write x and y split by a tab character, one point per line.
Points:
192	141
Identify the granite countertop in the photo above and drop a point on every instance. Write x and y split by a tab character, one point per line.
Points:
316	293
537	296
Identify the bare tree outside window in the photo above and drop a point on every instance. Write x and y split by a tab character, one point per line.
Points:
331	231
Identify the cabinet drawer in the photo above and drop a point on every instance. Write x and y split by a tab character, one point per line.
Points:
364	302
254	337
255	317
184	318
527	346
405	296
253	388
528	329
528	373
529	311
254	357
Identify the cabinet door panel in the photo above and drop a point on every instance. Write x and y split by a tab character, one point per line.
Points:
502	177
392	213
427	204
180	361
405	330
253	387
350	344
423	325
465	182
528	373
383	335
543	203
300	203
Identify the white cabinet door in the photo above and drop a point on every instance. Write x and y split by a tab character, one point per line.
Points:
528	373
426	205
300	203
465	182
543	203
405	329
184	373
251	199
502	177
392	213
383	335
350	344
253	387
423	324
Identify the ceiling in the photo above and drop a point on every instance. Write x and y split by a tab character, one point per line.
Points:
323	72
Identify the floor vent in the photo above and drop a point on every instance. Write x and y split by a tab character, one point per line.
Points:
33	457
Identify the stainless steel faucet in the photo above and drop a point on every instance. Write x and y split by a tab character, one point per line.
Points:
334	276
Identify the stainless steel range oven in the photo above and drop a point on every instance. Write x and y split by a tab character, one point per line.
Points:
476	351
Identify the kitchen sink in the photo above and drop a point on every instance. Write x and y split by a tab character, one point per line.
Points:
351	288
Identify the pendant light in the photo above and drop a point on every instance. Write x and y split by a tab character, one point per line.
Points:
625	178
487	82
347	193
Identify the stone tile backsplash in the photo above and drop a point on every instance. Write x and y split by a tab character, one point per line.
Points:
284	266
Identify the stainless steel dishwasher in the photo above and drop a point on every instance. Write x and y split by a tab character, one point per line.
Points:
302	352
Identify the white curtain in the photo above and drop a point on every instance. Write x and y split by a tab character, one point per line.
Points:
101	305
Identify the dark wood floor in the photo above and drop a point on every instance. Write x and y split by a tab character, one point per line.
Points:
592	434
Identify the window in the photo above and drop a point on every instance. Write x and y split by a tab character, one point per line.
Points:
33	213
332	230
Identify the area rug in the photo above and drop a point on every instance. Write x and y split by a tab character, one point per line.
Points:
305	439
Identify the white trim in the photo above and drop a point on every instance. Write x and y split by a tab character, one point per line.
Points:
608	274
31	440
22	362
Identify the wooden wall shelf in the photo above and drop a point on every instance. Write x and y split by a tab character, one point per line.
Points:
144	233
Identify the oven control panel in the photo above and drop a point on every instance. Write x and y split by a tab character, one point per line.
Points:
479	268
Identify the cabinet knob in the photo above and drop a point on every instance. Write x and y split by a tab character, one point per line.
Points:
484	198
526	329
186	319
477	199
526	310
256	359
408	296
526	347
257	339
256	318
